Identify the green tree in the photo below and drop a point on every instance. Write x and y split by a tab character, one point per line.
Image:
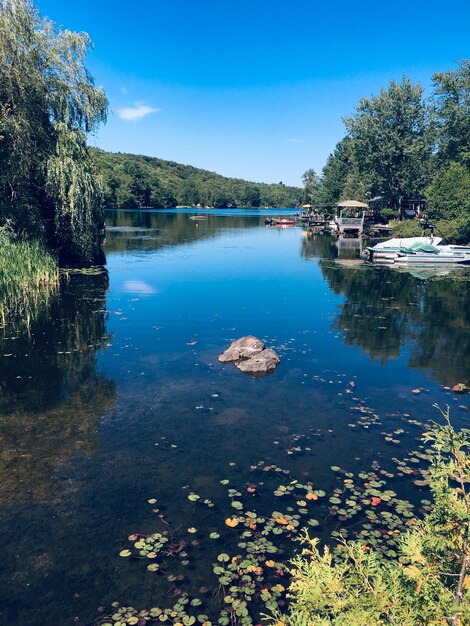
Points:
449	193
48	105
391	140
338	165
451	100
251	196
311	182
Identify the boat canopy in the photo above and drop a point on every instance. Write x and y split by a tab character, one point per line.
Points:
420	246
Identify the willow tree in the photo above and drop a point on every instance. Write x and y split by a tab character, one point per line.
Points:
48	106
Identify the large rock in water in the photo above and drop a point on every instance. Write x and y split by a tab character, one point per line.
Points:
250	355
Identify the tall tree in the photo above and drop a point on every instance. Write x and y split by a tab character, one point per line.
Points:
337	168
449	193
451	100
391	140
311	182
48	105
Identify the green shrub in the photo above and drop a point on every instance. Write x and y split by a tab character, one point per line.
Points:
405	228
388	214
449	193
427	585
453	231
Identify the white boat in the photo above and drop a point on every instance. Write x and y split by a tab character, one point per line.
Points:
388	250
418	251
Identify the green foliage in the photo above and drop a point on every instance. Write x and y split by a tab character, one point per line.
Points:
453	231
452	113
391	140
28	276
405	228
134	181
427	585
388	214
311	182
48	104
449	193
334	174
397	140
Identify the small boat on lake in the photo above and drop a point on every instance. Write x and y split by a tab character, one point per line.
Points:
279	221
198	217
284	221
418	251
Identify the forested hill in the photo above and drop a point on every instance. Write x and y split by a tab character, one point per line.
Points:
134	181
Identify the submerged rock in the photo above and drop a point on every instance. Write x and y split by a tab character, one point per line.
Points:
251	356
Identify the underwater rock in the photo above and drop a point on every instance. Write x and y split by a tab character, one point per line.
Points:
251	356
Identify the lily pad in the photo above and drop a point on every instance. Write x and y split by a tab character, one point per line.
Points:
125	553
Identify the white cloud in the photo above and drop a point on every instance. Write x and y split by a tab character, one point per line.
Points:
139	287
136	112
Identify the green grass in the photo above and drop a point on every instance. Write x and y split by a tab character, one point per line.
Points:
28	277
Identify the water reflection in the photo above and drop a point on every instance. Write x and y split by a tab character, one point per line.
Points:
315	245
51	395
149	230
177	419
384	310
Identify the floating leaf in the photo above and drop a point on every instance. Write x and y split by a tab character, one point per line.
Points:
192	530
232	522
214	536
125	553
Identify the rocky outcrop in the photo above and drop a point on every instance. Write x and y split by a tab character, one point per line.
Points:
251	356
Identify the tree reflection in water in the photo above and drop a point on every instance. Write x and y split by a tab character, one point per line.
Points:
51	395
384	309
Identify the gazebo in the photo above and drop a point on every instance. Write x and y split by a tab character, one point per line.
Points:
350	217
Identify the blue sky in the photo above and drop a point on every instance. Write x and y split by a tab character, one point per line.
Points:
254	89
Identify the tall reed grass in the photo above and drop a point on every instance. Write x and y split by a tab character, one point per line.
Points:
29	275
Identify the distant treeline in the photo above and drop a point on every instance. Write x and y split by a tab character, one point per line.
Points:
132	181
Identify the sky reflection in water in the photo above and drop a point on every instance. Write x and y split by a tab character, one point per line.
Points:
116	396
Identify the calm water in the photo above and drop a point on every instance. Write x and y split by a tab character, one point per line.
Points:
115	396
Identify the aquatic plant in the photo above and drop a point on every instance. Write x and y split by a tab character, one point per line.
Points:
373	562
428	584
29	275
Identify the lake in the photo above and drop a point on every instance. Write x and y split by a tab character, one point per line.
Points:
113	397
